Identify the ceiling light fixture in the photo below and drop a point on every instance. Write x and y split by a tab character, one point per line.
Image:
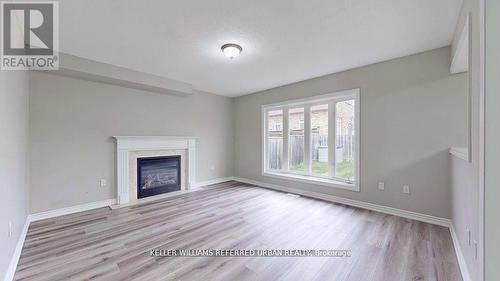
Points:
231	50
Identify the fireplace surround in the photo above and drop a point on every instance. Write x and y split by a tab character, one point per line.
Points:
132	148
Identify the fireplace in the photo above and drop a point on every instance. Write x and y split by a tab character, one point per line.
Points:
157	175
131	148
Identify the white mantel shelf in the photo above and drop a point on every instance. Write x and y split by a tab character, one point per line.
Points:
460	152
150	138
126	144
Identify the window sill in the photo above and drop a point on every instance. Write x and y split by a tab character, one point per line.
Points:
313	180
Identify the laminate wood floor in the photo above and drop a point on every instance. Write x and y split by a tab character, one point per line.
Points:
110	245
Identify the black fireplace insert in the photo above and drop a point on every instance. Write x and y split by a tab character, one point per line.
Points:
157	175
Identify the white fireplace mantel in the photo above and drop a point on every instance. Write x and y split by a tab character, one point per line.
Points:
126	144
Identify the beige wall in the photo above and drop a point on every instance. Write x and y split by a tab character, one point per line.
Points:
412	111
13	160
72	121
465	175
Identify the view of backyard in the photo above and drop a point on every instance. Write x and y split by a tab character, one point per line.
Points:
343	170
318	140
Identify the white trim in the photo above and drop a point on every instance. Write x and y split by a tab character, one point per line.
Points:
332	141
460	152
357	128
460	255
364	205
285	165
469	89
460	57
210	182
265	125
71	210
11	270
312	180
126	144
149	138
307	140
330	99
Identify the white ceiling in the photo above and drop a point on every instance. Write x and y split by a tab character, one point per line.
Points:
284	41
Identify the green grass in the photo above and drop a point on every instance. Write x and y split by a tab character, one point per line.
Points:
344	170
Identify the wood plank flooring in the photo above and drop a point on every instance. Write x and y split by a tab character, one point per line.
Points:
110	245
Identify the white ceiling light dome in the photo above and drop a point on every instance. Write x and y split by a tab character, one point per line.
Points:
231	50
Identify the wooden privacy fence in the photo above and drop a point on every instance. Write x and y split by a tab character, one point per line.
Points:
344	149
318	142
296	154
346	144
275	152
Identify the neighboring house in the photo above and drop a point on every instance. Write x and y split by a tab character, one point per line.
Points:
319	120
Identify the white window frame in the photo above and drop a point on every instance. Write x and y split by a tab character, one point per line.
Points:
306	103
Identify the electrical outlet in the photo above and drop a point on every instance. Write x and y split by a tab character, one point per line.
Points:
406	189
10	229
381	185
103	182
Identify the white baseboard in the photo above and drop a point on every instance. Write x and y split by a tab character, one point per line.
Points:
11	270
72	209
460	255
360	204
209	182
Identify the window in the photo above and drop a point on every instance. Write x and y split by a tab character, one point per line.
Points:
314	140
275	139
344	153
319	140
338	128
296	139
